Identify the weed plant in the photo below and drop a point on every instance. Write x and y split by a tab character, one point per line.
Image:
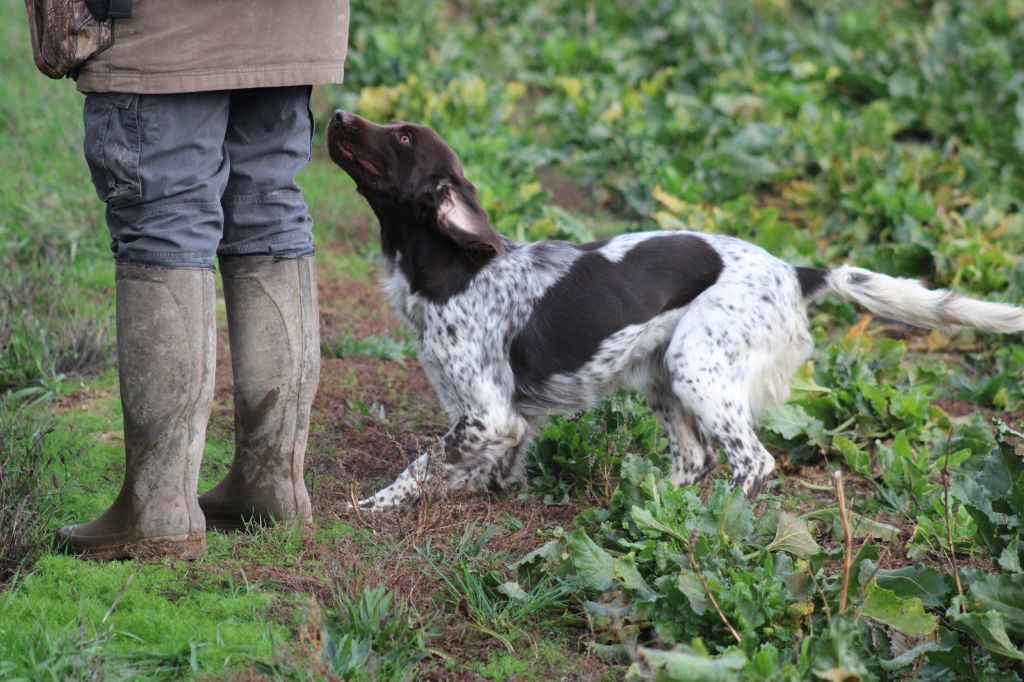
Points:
371	634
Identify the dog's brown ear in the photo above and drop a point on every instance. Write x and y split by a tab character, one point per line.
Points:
461	219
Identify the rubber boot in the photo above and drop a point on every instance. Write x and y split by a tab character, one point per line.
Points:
166	353
274	331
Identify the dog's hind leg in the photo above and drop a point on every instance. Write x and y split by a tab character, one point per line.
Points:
510	470
712	379
477	453
693	457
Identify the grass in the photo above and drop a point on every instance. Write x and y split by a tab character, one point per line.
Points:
49	218
27	500
164	610
477	583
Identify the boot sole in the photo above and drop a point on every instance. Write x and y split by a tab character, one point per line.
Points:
188	547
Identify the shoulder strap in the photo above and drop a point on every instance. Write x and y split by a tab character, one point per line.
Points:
102	10
120	9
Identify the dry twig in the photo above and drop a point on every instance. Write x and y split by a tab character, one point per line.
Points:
837	478
354	500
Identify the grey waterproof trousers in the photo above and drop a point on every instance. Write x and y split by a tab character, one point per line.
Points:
190	176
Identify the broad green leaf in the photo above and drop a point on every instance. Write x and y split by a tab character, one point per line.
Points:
688	665
1009	559
730	512
860	526
999	592
629	576
595	566
856	458
789	421
994	497
1000	470
901	447
906	615
792	535
550	551
689	584
513	590
876	396
975	436
988	629
645	519
836	652
923	582
957	458
765	662
912	407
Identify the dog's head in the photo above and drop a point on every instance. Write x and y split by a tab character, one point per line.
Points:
407	170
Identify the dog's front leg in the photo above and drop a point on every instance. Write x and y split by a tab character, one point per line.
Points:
477	453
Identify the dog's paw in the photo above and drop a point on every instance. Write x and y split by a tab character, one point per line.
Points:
753	480
386	499
361	506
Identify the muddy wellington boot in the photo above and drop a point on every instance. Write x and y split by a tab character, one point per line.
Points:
166	353
274	331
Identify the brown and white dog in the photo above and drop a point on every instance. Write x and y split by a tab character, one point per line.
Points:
710	329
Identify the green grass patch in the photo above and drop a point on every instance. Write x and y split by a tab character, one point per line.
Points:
348	345
173	615
55	312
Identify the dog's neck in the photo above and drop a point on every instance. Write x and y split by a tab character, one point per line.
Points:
432	264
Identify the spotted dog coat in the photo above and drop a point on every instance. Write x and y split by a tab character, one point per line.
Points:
709	328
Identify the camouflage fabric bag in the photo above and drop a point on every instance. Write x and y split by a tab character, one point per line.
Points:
64	34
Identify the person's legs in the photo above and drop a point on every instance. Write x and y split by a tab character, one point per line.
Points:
268	139
159	163
270	292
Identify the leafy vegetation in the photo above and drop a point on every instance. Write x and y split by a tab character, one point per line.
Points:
580	455
712	586
886	133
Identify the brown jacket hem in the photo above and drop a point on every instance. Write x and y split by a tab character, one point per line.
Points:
213	79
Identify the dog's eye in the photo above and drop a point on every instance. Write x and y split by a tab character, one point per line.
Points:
404	139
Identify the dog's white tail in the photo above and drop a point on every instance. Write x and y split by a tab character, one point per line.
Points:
907	301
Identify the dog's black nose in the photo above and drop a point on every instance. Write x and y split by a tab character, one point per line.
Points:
341	116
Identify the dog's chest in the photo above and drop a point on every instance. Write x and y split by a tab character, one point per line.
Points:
399	292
